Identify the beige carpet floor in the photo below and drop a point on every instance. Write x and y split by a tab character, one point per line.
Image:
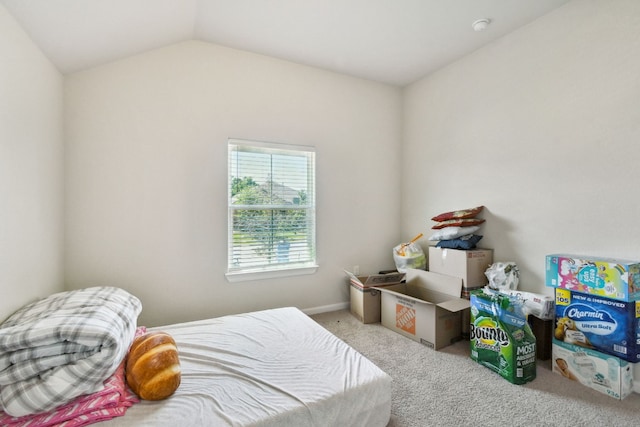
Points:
447	388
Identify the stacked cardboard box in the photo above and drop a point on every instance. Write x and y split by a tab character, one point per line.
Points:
597	321
469	265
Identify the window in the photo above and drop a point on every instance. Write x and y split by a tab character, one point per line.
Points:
271	210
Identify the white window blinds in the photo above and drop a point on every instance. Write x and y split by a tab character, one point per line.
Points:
271	207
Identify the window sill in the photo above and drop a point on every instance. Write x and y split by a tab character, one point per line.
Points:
243	276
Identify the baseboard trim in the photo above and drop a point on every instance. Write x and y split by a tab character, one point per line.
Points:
326	308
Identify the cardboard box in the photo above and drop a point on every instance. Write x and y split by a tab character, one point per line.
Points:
469	265
371	280
427	308
365	299
606	277
365	303
602	372
604	324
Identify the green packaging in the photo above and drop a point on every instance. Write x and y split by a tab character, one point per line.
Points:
501	338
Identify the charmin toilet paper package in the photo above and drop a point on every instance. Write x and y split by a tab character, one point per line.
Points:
603	324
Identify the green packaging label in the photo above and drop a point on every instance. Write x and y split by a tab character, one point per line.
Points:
501	338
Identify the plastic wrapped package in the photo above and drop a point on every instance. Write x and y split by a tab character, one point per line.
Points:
503	276
409	255
412	256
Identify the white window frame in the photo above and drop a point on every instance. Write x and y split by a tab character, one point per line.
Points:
272	269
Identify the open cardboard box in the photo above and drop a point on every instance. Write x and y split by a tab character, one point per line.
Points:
470	265
371	280
365	298
427	308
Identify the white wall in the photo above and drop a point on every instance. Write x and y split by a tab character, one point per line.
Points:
541	127
30	170
146	175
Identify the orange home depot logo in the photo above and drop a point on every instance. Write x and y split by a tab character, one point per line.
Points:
406	319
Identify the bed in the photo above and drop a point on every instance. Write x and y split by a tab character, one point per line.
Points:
267	368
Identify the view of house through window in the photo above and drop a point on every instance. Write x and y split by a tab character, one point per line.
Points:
271	207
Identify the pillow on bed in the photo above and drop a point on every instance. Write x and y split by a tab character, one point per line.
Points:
464	222
464	242
448	233
463	213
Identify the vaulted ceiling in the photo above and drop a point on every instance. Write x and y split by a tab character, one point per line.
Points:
390	41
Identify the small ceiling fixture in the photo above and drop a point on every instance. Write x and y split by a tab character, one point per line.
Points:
481	24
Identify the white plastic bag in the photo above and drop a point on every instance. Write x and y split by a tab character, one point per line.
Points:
503	276
409	255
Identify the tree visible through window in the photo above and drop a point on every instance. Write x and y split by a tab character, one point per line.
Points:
271	206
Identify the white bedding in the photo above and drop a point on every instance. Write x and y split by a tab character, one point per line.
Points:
268	368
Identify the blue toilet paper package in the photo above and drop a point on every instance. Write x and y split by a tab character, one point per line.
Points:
607	325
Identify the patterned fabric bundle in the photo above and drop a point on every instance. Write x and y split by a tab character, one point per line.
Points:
110	402
64	346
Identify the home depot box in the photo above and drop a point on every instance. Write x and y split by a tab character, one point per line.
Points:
427	308
602	372
604	324
469	265
605	277
365	299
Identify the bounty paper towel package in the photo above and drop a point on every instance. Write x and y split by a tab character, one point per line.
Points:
501	338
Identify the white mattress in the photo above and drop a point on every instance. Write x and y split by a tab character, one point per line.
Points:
268	368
